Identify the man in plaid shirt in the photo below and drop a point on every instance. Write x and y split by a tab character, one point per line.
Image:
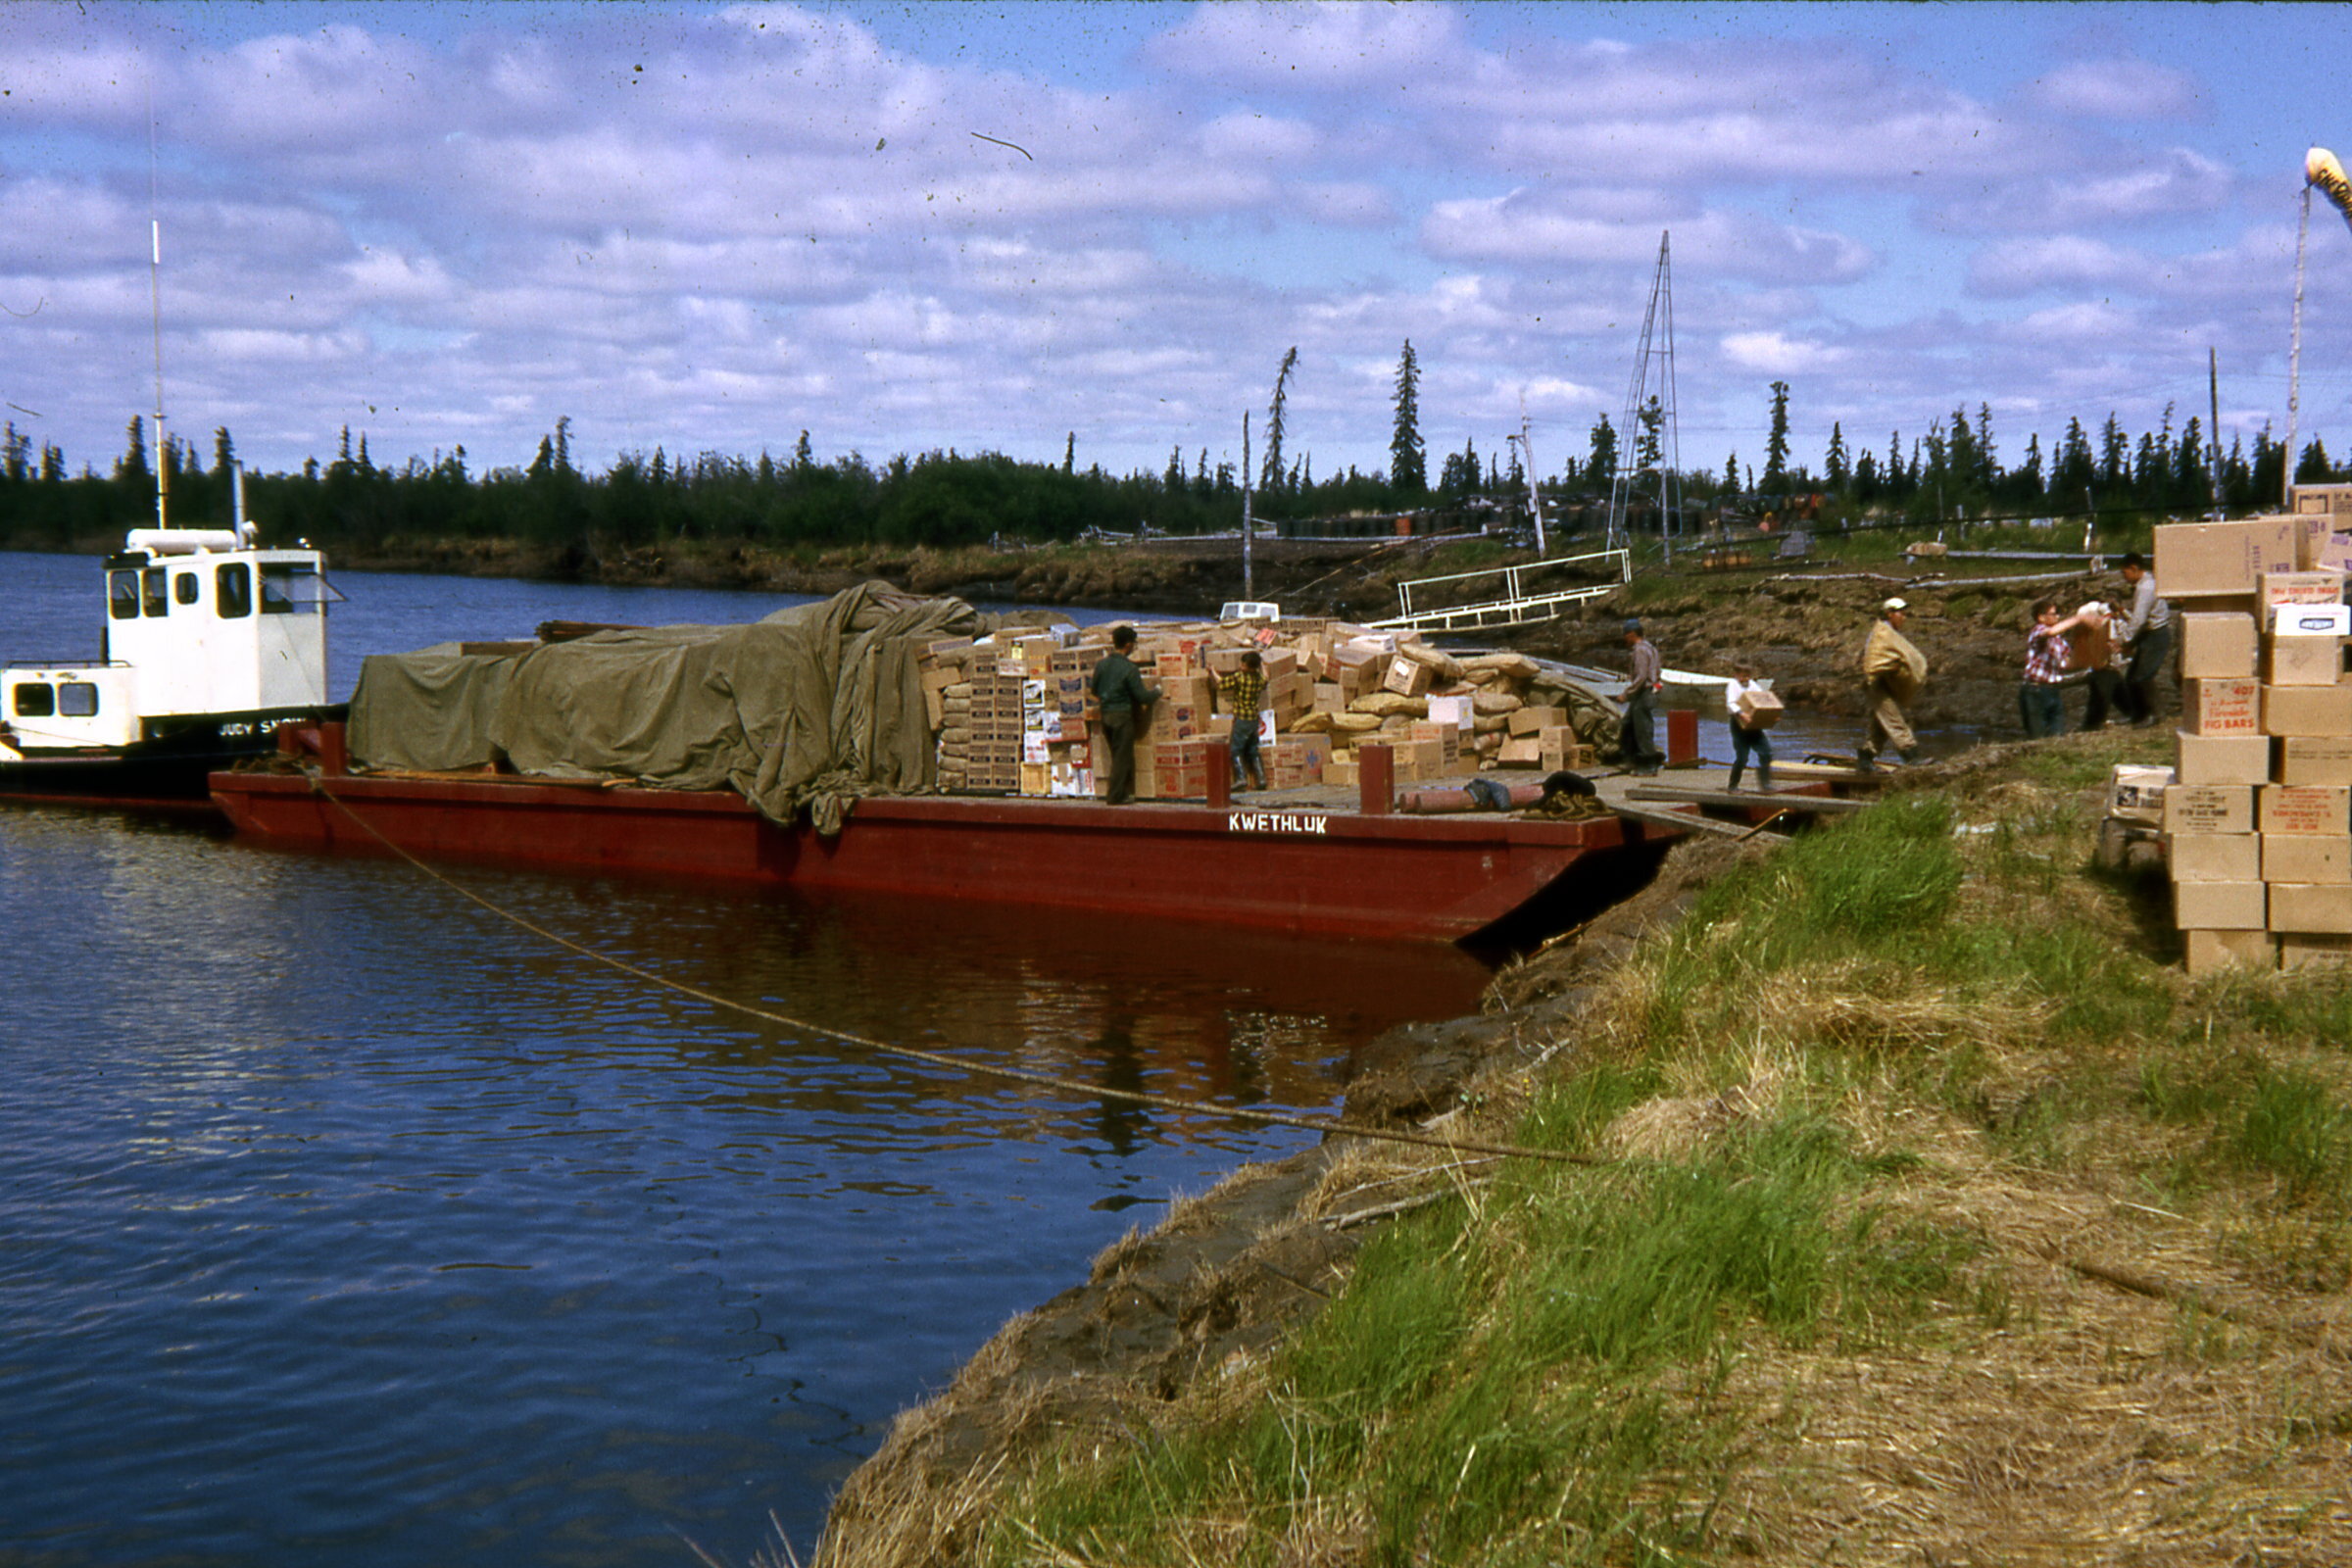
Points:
2041	699
1243	693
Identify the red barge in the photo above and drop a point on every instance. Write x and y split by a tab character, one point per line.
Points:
1317	862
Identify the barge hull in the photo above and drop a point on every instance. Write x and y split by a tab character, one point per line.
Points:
1290	868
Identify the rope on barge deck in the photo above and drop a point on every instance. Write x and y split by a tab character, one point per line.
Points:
1328	1126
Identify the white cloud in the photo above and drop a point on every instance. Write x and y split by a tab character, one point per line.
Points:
2061	261
2118	90
1319	47
1779	355
1559	228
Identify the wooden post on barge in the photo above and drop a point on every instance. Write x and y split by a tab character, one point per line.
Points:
1375	780
1220	775
1682	737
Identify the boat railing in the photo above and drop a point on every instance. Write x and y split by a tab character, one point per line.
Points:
1515	606
13	664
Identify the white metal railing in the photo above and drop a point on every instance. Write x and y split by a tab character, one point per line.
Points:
1515	607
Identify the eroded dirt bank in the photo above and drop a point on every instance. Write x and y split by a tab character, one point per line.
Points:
1227	1273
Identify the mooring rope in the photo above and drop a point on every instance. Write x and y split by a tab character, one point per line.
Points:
1324	1125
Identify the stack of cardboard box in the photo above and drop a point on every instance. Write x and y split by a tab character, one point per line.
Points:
2258	821
1015	711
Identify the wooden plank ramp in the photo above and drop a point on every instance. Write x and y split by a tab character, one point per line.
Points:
1759	799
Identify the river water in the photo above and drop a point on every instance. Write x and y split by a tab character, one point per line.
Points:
341	1221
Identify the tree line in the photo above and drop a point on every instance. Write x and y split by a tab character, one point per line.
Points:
1951	469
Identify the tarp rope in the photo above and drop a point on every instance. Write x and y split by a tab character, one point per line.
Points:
1328	1126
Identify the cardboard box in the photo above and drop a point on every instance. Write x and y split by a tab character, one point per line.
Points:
2209	951
2330	551
2307	710
1339	771
2303	660
2306	857
2300	949
1759	710
2314	758
2302	588
2311	906
1329	698
1406	677
2136	792
2323	809
2223	759
2222	706
1453	710
2222	905
2209	809
1527	750
1558	742
2215	857
2194	560
2309	621
2221	645
1531	720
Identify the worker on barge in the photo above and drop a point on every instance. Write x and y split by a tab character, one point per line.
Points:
1893	672
1122	696
1637	732
1243	693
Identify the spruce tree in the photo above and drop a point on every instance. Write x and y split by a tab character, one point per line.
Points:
1408	461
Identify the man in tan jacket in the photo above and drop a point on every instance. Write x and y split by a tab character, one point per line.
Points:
1893	672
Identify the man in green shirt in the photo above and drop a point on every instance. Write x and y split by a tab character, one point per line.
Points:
1122	696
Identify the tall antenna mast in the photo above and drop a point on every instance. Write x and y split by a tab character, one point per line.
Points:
154	302
1657	345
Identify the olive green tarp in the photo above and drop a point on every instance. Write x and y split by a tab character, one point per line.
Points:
810	708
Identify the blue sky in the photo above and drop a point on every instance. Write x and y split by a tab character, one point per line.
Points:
708	228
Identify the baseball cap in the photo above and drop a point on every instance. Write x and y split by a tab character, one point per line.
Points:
1633	625
1894	603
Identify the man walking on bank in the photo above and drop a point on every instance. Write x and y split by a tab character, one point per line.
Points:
1122	696
1637	735
1893	672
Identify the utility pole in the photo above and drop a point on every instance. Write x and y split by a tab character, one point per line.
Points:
1535	495
1248	528
2213	389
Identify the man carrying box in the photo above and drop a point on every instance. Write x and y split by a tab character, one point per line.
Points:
1893	672
2148	633
1241	692
1748	735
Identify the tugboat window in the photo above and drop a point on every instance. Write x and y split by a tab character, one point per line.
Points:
184	587
122	595
289	591
78	699
232	590
35	700
154	599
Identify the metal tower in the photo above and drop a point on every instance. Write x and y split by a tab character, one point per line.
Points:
1659	472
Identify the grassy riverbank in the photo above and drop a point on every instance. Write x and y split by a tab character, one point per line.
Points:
1932	1215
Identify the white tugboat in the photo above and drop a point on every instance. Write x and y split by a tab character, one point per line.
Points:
209	643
